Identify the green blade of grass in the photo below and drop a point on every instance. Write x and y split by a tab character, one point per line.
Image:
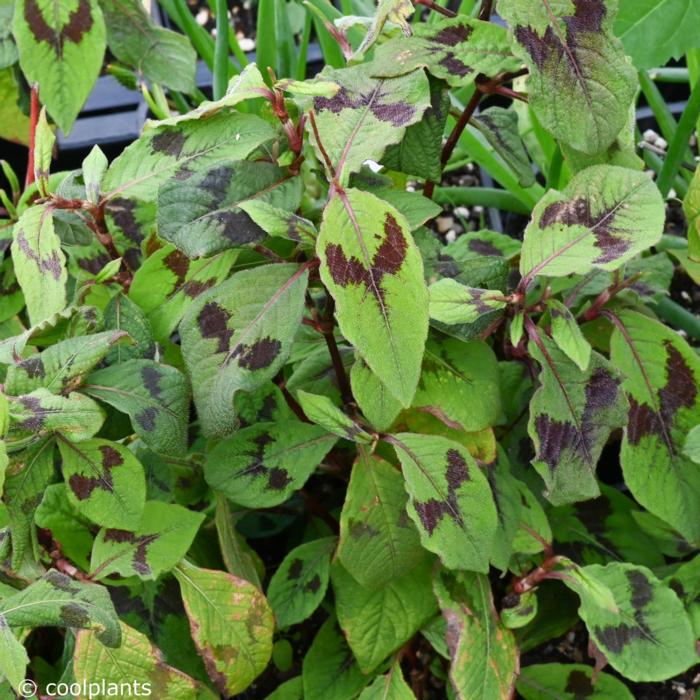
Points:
221	70
266	51
481	196
678	146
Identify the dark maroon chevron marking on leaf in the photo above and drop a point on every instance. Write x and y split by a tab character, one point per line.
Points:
431	511
50	264
555	436
34	422
640	586
295	569
579	684
258	355
387	260
194	288
483	247
169	143
588	17
577	212
83	486
151	380
147	418
238	227
314	584
451	36
358	529
74	615
79	22
212	321
142	542
123	213
398	113
216	182
33	366
179	265
680	392
477	299
277	478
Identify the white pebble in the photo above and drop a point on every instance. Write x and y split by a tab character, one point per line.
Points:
202	17
247	44
451	236
462	211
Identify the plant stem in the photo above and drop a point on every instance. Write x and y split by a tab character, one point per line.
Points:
336	358
221	50
678	146
33	120
431	5
486	10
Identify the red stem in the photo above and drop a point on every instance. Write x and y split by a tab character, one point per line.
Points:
33	121
436	8
486	10
336	358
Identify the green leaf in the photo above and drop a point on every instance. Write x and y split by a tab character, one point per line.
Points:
58	514
105	482
14	123
132	180
322	411
567	334
390	686
238	558
75	417
662	374
238	335
648	636
572	414
371	266
378	542
452	49
452	302
289	690
164	535
13	657
459	384
156	397
94	167
167	282
450	500
61	46
330	669
40	265
28	475
377	404
8	48
57	600
61	367
419	152
262	465
299	584
580	83
653	31
377	621
500	127
569	682
605	217
202	215
231	623
483	653
123	315
691	448
44	140
366	115
247	85
160	55
278	222
94	663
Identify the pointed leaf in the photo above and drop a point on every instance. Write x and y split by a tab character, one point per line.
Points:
452	302
299	585
450	500
572	414
372	267
567	334
390	686
40	265
231	623
238	336
568	682
577	67
322	411
484	654
378	542
156	397
662	374
605	217
164	535
105	481
61	46
376	402
262	465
